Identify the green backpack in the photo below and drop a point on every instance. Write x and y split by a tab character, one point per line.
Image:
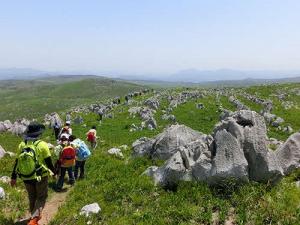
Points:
28	165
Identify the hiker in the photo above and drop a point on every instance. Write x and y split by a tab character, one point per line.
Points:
56	130
100	114
68	116
91	137
33	165
82	154
66	129
65	163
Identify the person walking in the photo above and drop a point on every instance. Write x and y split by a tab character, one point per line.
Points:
91	137
82	154
66	162
33	165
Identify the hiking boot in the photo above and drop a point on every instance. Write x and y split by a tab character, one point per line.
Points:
34	221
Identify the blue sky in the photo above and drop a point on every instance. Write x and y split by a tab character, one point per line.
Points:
150	36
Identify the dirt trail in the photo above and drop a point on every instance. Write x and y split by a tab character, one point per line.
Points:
51	208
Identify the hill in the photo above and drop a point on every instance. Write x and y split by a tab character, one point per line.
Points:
126	197
34	98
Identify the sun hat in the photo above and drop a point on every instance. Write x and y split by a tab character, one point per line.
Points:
34	130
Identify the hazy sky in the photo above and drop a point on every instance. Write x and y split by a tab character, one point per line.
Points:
150	36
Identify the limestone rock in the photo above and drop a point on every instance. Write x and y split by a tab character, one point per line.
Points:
168	142
90	209
2	152
229	161
288	154
116	151
142	146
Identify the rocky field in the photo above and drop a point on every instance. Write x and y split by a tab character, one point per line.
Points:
178	156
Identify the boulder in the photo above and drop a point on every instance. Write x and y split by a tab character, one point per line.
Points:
116	151
2	193
229	161
142	146
269	118
90	209
172	172
168	143
18	128
288	154
277	122
152	122
152	103
263	166
7	124
2	127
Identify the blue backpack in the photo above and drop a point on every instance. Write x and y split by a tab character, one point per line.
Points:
82	150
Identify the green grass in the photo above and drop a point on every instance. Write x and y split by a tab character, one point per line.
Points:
126	197
31	100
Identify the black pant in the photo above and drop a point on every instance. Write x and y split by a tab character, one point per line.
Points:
79	165
56	132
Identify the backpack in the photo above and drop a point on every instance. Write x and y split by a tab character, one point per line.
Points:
65	130
82	150
67	156
28	164
91	136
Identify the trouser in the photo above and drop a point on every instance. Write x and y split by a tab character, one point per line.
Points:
79	166
56	132
63	170
37	195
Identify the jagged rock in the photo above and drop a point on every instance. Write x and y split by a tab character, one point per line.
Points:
5	179
172	171
52	119
153	173
90	209
229	161
237	150
18	128
288	154
152	103
2	193
269	117
171	118
197	157
263	166
168	142
142	146
2	152
134	110
7	124
116	151
152	122
277	122
225	113
2	127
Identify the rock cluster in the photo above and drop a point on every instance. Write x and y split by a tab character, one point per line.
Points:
238	149
16	128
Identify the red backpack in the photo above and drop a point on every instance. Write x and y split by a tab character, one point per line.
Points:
67	156
91	136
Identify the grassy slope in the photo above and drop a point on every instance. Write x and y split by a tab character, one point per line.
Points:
32	99
128	198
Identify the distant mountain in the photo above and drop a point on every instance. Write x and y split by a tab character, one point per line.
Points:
198	76
20	73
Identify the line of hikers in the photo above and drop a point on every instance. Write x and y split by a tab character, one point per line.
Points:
34	163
